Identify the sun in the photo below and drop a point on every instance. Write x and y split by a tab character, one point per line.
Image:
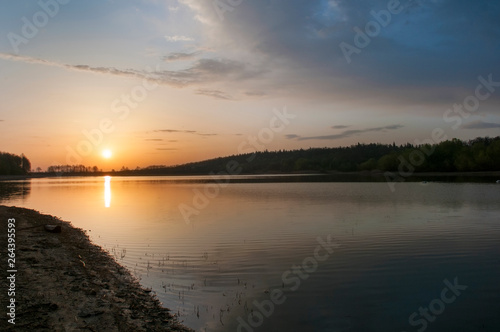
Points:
107	153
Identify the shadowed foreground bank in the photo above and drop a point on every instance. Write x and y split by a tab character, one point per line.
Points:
66	283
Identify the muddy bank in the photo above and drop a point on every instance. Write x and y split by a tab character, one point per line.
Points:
65	283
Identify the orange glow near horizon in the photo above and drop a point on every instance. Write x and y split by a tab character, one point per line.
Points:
123	151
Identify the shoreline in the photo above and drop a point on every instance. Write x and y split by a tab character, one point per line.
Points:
374	173
64	282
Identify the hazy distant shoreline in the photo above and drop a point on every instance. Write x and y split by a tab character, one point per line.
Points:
376	175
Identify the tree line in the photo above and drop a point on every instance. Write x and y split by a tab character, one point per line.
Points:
11	164
479	154
73	169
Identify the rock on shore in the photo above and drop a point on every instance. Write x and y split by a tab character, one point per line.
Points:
66	283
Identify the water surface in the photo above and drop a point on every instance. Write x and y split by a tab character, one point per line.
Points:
392	250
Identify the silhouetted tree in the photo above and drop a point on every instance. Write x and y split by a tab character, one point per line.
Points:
11	164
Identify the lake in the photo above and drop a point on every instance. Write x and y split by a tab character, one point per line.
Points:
294	253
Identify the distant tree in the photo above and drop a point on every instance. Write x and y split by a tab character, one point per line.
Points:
25	163
301	164
388	162
368	165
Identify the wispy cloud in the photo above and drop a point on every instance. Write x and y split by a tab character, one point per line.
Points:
178	38
255	93
179	56
192	132
214	93
154	139
481	125
340	127
152	76
175	131
202	71
344	134
167	149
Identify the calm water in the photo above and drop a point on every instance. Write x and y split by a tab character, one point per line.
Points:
251	242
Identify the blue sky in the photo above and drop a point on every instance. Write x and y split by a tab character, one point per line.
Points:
219	68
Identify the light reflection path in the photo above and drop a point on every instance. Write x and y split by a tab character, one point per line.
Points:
107	191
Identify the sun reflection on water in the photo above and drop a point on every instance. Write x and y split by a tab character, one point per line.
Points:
107	191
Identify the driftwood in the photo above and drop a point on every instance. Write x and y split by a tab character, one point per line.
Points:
53	228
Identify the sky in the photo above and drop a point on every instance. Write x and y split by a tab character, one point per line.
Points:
165	82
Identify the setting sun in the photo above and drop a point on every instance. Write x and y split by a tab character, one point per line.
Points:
107	153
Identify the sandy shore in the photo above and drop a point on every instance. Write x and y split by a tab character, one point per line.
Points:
66	283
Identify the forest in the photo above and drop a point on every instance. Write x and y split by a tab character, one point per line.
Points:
11	164
481	154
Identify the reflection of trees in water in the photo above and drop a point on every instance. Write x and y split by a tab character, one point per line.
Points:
14	190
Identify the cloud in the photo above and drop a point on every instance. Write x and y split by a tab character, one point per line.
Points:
175	131
214	93
202	71
154	139
179	56
418	58
192	132
255	93
290	48
151	76
209	71
222	67
178	38
480	125
340	127
346	133
291	136
166	149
